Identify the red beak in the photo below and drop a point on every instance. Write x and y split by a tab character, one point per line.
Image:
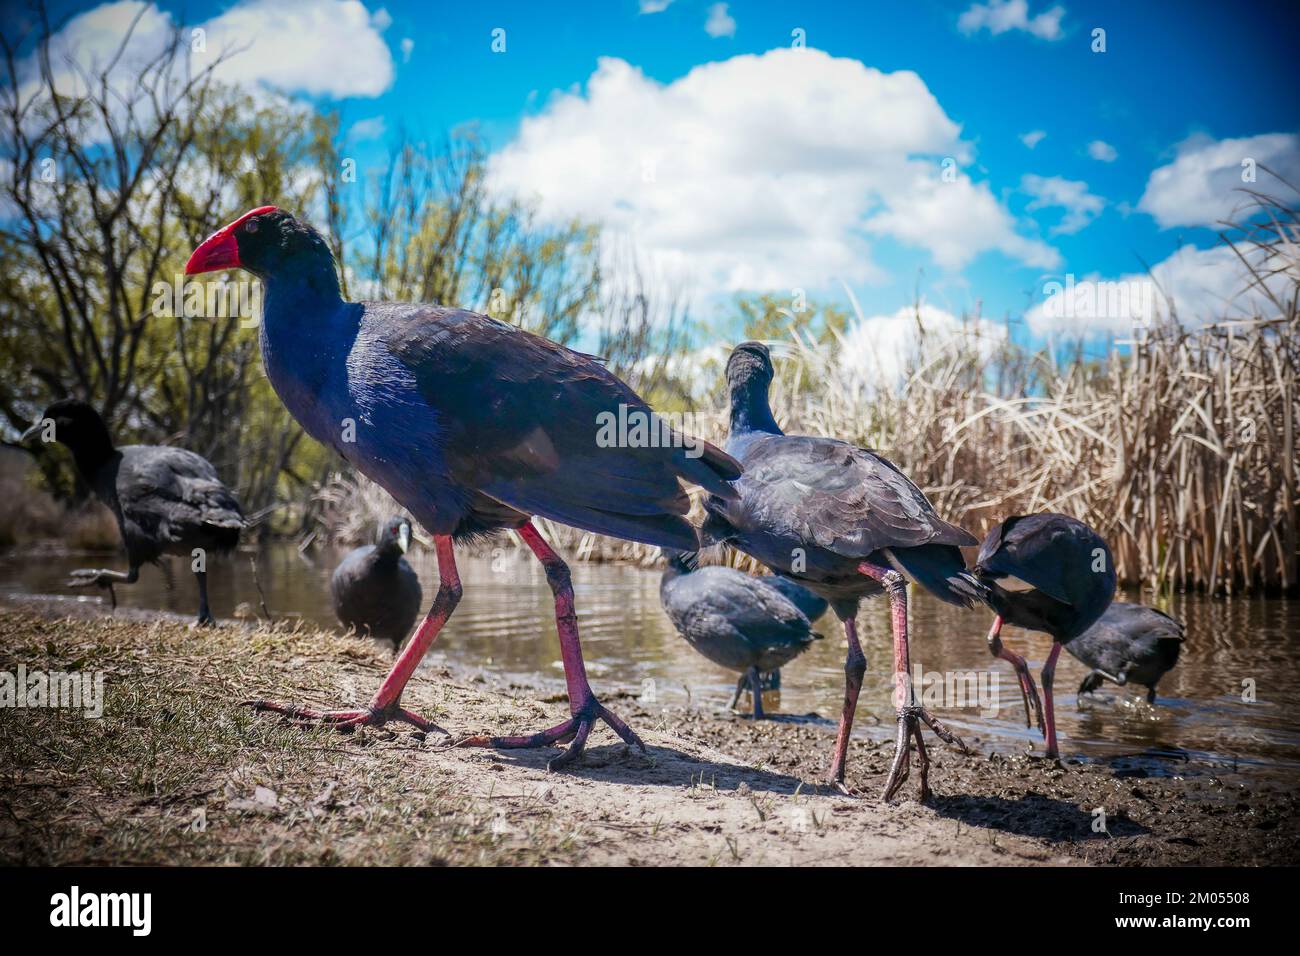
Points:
221	250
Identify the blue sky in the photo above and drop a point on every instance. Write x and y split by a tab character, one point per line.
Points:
1190	88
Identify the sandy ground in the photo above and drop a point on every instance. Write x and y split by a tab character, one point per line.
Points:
176	772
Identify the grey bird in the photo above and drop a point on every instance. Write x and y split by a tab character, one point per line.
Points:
1129	644
374	589
166	500
738	621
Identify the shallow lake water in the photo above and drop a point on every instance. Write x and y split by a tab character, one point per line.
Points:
504	628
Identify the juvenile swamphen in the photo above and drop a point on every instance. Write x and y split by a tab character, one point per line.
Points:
473	426
1129	644
1044	572
812	606
738	621
374	589
166	500
847	524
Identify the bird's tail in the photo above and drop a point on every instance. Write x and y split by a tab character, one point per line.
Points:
708	466
940	569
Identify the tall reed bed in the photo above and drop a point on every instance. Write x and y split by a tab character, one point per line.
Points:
1178	445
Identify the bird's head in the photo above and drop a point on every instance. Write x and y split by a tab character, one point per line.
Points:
394	531
681	561
750	365
70	422
264	241
73	423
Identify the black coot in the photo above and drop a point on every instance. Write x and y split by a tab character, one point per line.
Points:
1129	644
166	500
737	621
375	590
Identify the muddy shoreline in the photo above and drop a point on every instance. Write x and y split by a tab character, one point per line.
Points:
177	772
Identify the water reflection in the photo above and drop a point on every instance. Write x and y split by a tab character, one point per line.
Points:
504	625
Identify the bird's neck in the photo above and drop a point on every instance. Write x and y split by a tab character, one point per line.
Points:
91	453
387	554
750	411
300	286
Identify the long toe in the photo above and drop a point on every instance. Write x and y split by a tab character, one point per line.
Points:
342	720
576	729
576	748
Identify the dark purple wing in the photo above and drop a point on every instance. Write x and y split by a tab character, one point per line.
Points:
527	423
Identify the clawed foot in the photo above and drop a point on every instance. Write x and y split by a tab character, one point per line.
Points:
909	728
1029	694
96	577
577	728
344	721
843	788
85	577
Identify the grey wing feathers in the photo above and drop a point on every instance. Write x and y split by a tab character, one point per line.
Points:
177	485
722	599
846	499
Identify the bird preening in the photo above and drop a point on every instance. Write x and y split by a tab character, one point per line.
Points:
475	427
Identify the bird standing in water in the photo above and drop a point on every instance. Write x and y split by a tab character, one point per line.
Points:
1044	572
374	589
735	620
473	426
1129	644
845	523
166	500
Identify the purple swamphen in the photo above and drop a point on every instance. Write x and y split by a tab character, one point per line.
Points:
846	524
166	500
473	426
1044	572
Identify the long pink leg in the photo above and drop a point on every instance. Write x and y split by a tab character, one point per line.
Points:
584	707
386	704
1028	692
910	713
855	665
1049	674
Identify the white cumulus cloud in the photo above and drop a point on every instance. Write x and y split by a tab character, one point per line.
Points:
1033	137
879	349
295	46
1052	192
1202	186
761	172
1199	285
720	23
289	45
1102	151
1002	16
